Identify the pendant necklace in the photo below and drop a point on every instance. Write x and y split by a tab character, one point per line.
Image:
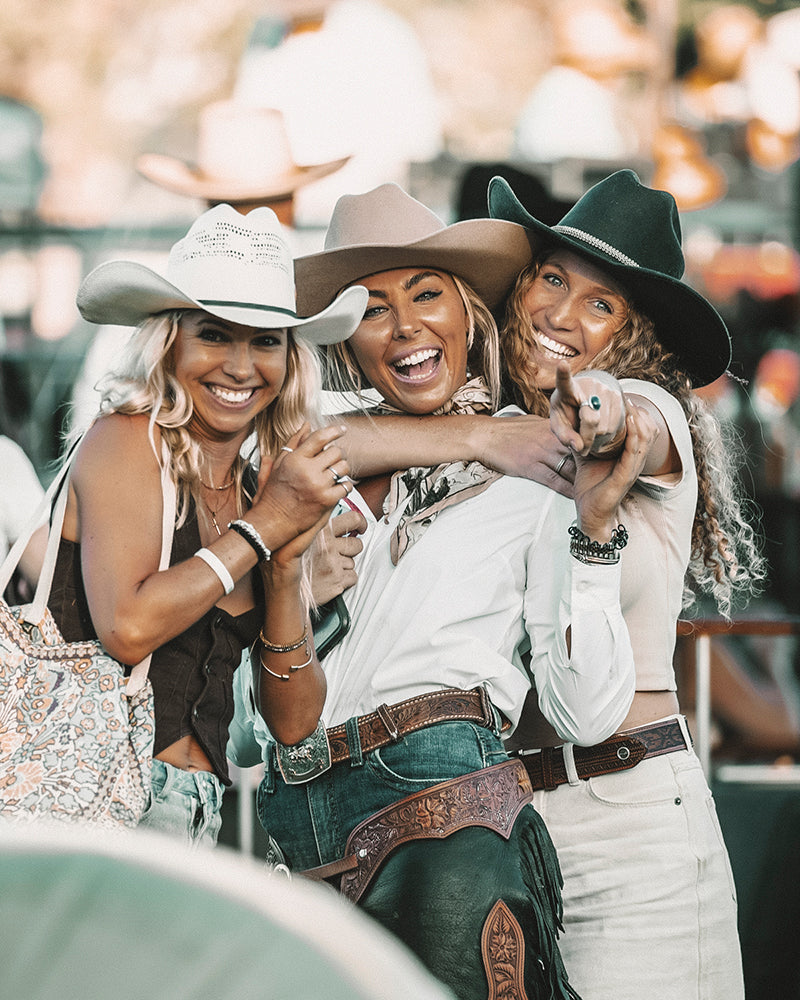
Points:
213	513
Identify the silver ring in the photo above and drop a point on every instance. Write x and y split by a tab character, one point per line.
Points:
561	464
593	401
341	480
287	448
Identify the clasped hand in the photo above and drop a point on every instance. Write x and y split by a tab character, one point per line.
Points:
298	489
601	481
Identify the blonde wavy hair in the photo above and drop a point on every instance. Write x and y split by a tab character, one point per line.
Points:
145	383
343	374
726	560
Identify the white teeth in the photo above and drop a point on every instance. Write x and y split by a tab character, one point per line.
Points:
416	359
231	395
553	345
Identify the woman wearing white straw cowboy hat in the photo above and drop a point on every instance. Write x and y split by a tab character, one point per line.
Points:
220	357
406	791
649	904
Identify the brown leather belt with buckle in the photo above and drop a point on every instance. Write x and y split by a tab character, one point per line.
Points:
547	768
392	722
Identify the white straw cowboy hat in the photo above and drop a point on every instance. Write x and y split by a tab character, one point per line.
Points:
386	228
634	232
234	266
243	155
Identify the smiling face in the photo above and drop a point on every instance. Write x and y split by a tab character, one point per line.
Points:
412	342
231	372
575	310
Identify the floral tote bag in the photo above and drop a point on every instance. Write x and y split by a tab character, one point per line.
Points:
76	734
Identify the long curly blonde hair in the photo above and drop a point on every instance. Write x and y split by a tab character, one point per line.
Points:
343	374
145	383
726	560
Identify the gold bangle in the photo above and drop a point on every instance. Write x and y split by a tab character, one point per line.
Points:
289	648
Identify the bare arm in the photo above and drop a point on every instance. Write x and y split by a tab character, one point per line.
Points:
519	445
115	512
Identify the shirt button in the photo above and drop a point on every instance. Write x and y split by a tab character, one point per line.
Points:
194	712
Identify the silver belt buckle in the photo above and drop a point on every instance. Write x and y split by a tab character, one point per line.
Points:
305	760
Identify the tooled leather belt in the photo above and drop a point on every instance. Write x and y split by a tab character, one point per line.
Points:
392	722
547	768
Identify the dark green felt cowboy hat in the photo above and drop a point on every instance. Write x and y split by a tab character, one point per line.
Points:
634	233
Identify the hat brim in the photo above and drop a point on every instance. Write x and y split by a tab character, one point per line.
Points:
486	253
125	293
183	178
686	323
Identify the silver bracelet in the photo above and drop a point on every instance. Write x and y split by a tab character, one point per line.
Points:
292	669
252	537
216	565
588	551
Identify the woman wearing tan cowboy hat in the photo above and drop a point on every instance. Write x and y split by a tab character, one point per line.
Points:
219	358
649	905
407	788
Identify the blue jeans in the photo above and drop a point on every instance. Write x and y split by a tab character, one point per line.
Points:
312	822
184	804
436	895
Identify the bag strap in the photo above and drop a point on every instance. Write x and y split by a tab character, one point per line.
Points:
16	551
59	488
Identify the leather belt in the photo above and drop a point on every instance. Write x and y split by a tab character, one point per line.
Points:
547	767
392	722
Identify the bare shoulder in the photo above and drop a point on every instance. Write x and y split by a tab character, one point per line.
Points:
116	446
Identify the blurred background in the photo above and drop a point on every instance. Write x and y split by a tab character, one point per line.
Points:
121	121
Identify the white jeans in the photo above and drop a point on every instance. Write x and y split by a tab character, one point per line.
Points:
649	899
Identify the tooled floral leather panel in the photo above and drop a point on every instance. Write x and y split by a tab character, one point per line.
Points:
491	797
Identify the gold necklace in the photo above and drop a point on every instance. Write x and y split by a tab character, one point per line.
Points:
210	509
213	514
225	486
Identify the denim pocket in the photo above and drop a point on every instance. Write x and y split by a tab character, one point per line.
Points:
649	783
438	753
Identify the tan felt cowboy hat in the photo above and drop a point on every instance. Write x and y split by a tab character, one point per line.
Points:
386	228
243	155
234	266
634	233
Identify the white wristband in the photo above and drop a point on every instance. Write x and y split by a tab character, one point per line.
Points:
218	566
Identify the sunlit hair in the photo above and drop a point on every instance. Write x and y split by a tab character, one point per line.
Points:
726	561
145	383
343	374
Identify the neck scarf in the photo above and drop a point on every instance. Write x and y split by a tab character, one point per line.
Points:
430	490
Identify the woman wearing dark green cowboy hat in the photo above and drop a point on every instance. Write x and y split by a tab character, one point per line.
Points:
649	903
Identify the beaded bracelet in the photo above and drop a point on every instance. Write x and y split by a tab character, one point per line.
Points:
252	537
585	550
288	648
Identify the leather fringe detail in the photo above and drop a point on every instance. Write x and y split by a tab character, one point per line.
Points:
503	951
542	876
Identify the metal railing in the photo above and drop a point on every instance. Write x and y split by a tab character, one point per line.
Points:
701	631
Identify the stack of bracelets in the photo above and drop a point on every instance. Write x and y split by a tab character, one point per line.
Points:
587	551
271	647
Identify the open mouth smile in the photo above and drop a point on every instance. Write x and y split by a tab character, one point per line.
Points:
417	366
552	348
234	397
